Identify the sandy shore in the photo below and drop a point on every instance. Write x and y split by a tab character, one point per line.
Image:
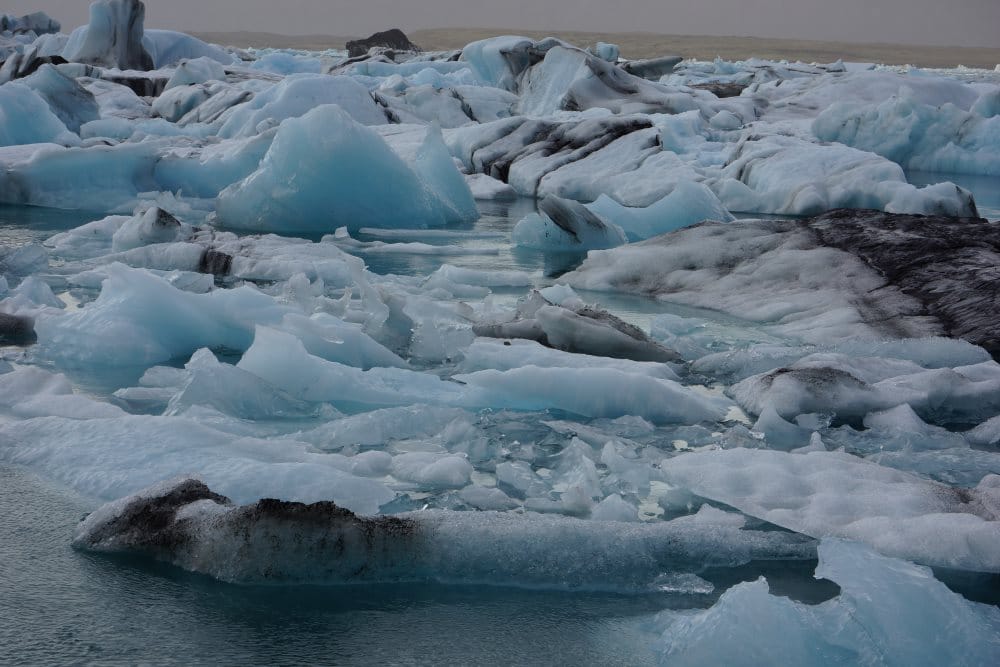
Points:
645	45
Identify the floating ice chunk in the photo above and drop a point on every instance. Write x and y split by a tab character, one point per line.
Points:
331	338
938	394
614	508
436	168
169	48
430	470
73	104
593	392
567	226
28	381
23	260
571	79
379	428
39	23
726	120
889	612
281	359
25	118
354	180
28	392
988	105
487	187
197	70
499	61
781	434
486	353
790	176
113	38
608	52
687	204
901	428
576	328
140	319
489	499
986	434
233	392
153	226
833	494
110	457
178	101
288	63
31	299
333	545
758	271
740	364
294	97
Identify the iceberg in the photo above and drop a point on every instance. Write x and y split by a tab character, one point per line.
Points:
355	180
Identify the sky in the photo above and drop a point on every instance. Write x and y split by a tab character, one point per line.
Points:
936	22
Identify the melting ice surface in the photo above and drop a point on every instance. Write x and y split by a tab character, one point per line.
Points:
465	297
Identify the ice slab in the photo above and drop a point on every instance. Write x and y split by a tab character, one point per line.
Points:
830	494
334	545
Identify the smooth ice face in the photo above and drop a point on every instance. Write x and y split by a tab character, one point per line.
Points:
689	203
888	612
25	118
113	38
354	180
140	319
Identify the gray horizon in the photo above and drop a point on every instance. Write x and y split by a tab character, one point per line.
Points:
920	22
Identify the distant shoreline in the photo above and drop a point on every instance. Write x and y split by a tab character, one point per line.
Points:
646	45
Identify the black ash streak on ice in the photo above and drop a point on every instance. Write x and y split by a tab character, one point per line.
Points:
950	265
184	523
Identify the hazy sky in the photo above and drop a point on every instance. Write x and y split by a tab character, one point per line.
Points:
944	22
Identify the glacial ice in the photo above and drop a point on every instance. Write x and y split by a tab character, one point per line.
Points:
888	612
484	419
918	136
113	38
337	546
355	180
25	118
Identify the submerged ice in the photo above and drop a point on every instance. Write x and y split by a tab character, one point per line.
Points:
541	330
